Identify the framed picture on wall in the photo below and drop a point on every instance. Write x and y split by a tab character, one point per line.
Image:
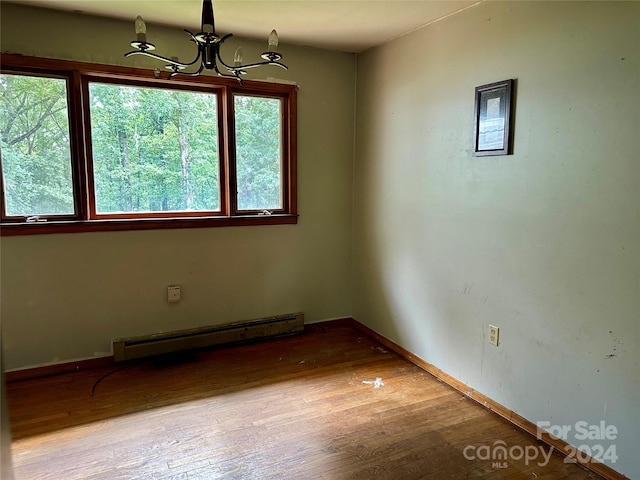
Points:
493	122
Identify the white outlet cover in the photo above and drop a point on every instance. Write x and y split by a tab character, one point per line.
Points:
494	335
173	293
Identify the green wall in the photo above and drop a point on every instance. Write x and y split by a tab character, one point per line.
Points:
66	296
544	243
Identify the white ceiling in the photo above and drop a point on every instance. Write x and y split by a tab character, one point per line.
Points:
344	25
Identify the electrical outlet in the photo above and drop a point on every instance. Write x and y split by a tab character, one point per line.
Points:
494	335
173	293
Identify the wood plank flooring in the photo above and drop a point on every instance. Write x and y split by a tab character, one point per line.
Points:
303	407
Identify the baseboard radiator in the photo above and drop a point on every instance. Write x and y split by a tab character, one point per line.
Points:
196	338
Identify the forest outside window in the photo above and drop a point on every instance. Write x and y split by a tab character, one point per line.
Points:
258	152
89	147
36	152
153	150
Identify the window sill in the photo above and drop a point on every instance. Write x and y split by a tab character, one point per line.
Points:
81	226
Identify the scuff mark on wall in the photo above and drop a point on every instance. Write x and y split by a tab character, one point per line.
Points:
616	348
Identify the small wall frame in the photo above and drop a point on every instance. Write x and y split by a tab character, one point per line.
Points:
493	119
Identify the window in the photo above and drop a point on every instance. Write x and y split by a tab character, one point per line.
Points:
89	147
154	150
36	153
258	152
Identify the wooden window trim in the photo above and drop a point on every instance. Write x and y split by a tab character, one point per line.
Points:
79	74
211	89
78	226
286	154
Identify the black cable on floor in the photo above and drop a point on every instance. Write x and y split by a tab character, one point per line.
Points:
161	361
93	389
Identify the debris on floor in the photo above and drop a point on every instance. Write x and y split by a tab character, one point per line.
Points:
377	383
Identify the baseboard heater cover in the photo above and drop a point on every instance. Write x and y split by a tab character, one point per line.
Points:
169	342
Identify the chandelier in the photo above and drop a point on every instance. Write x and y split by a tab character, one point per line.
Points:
208	55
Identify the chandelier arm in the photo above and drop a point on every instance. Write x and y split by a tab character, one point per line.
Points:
224	37
228	67
239	68
188	74
200	46
236	70
160	57
259	64
170	60
234	73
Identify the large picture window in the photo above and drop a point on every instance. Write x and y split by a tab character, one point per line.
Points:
89	147
154	150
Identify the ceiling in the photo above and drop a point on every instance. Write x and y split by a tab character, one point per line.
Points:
343	25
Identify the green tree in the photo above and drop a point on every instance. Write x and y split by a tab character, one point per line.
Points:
166	157
36	157
152	149
258	155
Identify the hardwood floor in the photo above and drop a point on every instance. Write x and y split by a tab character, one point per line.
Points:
302	407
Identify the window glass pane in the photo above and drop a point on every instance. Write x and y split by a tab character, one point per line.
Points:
36	154
258	152
154	150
